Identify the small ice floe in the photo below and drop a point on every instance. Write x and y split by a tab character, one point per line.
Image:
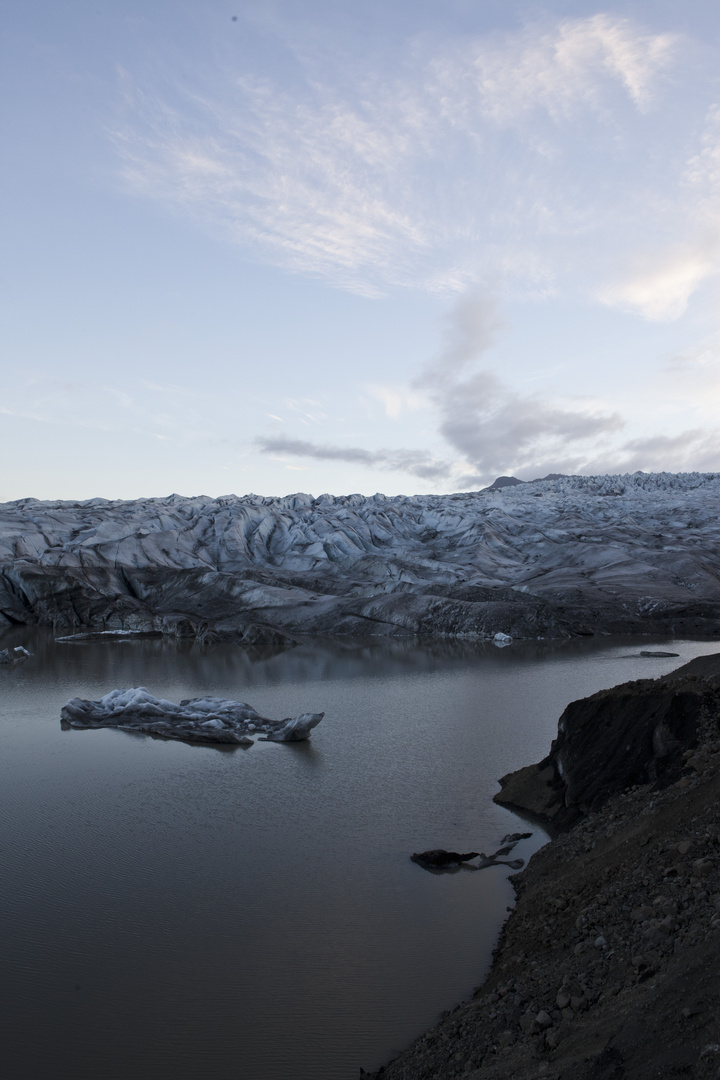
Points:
204	720
14	656
109	635
501	640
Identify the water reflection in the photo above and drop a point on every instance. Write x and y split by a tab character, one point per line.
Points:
318	659
257	914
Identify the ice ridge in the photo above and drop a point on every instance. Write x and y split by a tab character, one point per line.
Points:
547	558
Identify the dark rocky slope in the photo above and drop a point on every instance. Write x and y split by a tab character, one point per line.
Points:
635	733
609	965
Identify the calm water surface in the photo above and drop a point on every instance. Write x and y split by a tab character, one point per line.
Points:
175	912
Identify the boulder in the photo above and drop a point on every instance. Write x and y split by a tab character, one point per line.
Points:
635	733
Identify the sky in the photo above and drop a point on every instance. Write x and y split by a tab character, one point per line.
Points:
382	245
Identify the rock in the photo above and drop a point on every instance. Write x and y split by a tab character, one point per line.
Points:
629	735
504	482
703	867
438	857
536	790
14	656
527	1023
204	720
551	1040
543	1019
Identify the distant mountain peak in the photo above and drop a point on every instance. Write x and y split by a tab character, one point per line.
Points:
503	482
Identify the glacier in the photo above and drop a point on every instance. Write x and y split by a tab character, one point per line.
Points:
551	558
204	720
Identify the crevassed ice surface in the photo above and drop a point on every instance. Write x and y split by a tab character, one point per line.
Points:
541	559
491	529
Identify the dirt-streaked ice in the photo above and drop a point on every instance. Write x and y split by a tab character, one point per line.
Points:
543	559
204	719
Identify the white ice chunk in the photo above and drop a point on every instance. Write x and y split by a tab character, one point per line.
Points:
296	729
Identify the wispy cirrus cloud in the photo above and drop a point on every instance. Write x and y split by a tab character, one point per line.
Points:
466	160
575	66
661	279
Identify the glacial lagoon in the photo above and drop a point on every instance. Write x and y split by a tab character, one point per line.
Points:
185	912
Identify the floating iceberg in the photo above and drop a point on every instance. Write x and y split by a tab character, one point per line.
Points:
205	719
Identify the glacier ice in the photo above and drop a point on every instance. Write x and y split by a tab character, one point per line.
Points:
550	558
204	719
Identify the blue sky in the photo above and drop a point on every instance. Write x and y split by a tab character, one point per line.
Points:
399	247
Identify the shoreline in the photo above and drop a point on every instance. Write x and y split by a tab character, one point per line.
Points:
609	964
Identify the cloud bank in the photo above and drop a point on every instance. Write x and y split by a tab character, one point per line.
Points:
492	428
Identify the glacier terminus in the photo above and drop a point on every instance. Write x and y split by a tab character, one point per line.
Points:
551	558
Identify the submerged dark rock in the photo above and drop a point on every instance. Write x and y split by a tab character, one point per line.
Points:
439	860
14	656
438	857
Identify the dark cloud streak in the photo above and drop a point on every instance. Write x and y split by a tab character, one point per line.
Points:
414	462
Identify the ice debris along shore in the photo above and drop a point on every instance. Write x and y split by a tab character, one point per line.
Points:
550	558
206	720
